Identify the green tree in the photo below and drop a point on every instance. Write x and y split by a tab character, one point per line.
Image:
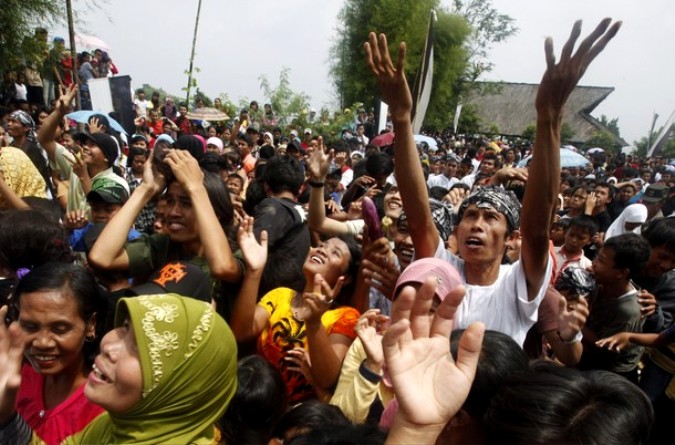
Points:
19	42
292	107
603	139
488	26
463	34
401	20
611	125
642	146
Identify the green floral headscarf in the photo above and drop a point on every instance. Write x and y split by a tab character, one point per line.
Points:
189	363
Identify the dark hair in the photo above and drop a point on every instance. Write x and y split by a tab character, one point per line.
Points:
30	238
308	415
255	194
564	223
214	163
236	176
660	232
608	186
438	192
556	404
73	280
219	196
284	173
136	151
350	434
500	357
631	251
258	404
247	139
347	291
584	222
379	164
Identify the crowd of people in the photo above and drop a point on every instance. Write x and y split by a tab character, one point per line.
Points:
255	282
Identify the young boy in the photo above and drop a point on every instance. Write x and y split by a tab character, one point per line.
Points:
558	229
578	235
105	199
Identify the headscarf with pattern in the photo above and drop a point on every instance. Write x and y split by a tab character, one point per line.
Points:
27	121
188	358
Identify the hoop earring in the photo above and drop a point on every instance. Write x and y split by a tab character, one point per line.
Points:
90	338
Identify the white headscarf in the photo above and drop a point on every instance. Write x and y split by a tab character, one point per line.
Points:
635	213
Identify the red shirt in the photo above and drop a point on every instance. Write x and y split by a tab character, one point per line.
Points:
54	425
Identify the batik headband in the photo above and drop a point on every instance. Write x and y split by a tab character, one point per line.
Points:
24	118
494	197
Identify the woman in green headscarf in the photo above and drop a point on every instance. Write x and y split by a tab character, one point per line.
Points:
164	375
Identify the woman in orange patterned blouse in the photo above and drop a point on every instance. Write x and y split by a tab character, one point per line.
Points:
305	335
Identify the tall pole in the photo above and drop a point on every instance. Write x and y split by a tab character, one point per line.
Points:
651	131
192	56
73	51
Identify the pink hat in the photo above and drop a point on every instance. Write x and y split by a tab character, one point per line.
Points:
447	277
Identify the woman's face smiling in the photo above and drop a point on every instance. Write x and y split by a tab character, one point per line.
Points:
54	331
330	259
116	380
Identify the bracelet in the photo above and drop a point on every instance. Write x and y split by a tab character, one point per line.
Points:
368	374
576	339
315	184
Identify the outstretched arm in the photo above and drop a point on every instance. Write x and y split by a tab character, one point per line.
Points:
47	131
408	169
556	85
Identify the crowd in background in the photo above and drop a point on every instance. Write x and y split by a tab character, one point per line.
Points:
260	280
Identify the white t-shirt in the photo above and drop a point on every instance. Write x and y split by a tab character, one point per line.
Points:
441	180
503	306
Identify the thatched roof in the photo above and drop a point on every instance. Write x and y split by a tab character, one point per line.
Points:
512	110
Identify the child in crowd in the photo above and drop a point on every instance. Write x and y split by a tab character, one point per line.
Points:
558	229
578	235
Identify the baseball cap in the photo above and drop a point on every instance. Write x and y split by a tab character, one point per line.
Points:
655	193
105	142
447	277
294	133
179	277
307	131
108	191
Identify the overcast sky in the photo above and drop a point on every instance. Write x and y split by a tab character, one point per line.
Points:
240	40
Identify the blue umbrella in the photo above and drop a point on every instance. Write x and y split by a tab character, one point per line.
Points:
83	116
568	158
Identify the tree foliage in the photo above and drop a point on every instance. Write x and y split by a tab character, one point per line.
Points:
603	139
400	20
19	19
488	26
463	35
286	103
611	125
642	146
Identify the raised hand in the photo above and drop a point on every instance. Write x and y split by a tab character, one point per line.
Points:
391	79
64	104
369	329
152	177
75	219
11	354
561	78
320	299
572	317
255	253
185	168
429	384
319	162
95	126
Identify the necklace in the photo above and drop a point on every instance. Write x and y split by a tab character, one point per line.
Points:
297	308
